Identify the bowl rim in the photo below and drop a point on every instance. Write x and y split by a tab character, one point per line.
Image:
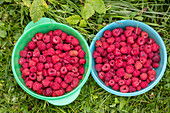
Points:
145	89
34	94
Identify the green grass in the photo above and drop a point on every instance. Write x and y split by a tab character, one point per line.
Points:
14	16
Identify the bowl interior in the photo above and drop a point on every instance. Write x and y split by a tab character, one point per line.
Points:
45	28
152	34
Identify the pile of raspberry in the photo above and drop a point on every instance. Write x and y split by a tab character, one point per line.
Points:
125	59
52	63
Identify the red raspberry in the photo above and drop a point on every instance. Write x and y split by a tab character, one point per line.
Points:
124	89
123	38
42	59
39	73
144	34
118	40
143	76
134	36
58	80
51	72
130	28
98	67
81	53
138	88
63	70
41	46
152	72
143	54
119	63
33	69
121	30
49	59
33	76
96	54
29	84
143	60
23	53
64	84
143	84
151	41
74	83
112	63
75	42
73	53
77	47
26	72
22	61
55	59
81	69
107	33
101	75
106	67
68	79
151	77
116	32
55	86
151	55
50	33
148	49
98	43
135	83
103	39
49	45
37	86
39	36
31	45
120	72
115	87
127	33
129	69
46	38
36	52
80	77
128	82
141	48
32	63
137	30
143	70
63	35
56	39
132	89
122	44
82	61
47	92
121	82
57	32
29	54
107	76
127	76
51	51
156	58
130	61
46	83
44	72
48	65
69	88
110	40
111	82
34	39
135	51
155	65
141	41
105	60
124	50
66	47
40	66
49	78
130	40
117	51
69	39
105	45
39	91
100	49
25	65
138	65
99	60
74	69
116	78
40	78
136	73
57	66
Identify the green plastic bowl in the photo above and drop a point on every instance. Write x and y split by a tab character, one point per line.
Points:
45	25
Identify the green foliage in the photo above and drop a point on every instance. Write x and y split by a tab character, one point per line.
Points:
73	19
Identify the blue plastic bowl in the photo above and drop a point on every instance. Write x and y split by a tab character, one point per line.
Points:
152	34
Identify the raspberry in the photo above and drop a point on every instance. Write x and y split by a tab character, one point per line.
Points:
143	76
116	32
143	84
151	77
151	41
63	35
82	61
106	67
120	72
66	47
135	45
57	32
121	30
99	60
41	46
37	86
55	59
68	79
107	33
55	86
49	45
98	43
42	59
152	72
81	69
46	38
29	54
22	61
127	33
132	89
117	52
81	53
80	77
77	47
95	54
112	63
74	83
33	76
141	48
119	63
46	83
51	72
124	50
39	73
69	88
31	45
107	76
144	34
127	76
137	30
141	41
74	69
40	78
121	82
124	89
33	69
130	40
115	87
130	28
25	65
138	65
135	83
64	84
58	80
129	69
151	55
128	82
101	75
29	84
63	70
110	40
73	53
155	65
143	70
40	66
39	91
75	41
25	72
48	65
143	60
123	38
122	44
34	39
130	61
138	88
69	39
136	73
105	60
39	36
49	78
57	66
134	36
47	92
98	67
50	33
23	53
156	58
36	52
148	49
135	51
